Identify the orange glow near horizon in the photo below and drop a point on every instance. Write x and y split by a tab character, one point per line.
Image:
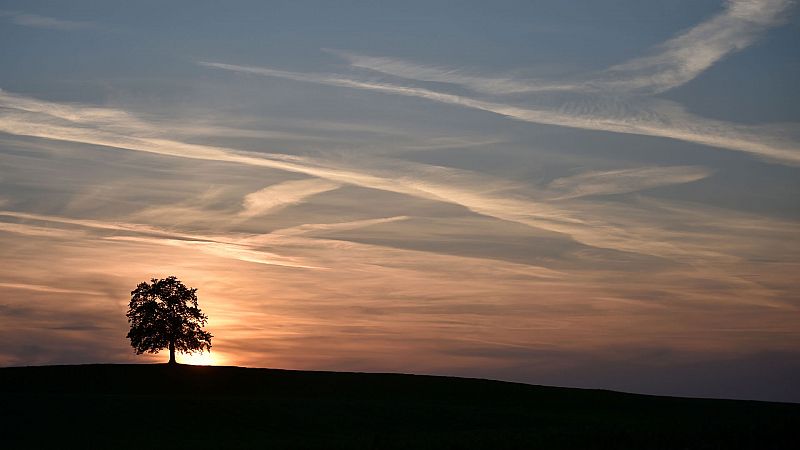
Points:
198	359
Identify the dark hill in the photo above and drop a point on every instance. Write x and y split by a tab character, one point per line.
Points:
147	406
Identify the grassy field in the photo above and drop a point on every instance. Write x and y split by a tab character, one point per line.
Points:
147	406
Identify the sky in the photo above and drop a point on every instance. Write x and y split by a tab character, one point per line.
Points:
597	194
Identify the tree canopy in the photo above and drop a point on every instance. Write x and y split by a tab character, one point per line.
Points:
164	314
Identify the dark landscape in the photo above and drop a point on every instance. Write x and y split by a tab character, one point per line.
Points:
179	406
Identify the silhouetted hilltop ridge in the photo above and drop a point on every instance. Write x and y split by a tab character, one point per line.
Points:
140	405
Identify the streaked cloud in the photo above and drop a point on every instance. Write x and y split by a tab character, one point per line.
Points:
653	118
671	64
47	289
275	197
322	228
219	245
32	230
224	250
478	83
624	180
685	56
37	21
239	246
480	194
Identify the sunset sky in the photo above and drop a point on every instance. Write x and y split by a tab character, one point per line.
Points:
588	193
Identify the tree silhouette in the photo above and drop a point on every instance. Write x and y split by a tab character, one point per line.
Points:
164	314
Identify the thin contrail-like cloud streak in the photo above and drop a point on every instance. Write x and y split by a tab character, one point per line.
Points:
687	55
478	83
227	246
671	64
676	125
37	21
275	197
624	180
48	289
480	194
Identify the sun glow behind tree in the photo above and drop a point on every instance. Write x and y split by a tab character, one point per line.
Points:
164	314
198	359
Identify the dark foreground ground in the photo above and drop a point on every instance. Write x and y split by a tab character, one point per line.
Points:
156	406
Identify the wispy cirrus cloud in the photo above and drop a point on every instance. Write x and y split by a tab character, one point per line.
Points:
687	55
613	227
231	245
225	250
51	23
475	82
275	197
86	223
670	64
322	228
610	100
623	180
648	118
32	230
48	289
480	194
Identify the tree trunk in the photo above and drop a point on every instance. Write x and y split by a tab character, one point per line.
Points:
172	352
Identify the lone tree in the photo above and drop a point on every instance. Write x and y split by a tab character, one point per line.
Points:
164	314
